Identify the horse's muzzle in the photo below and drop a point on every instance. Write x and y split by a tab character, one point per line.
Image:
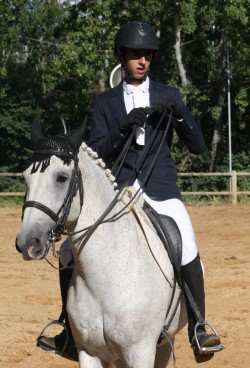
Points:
17	247
34	251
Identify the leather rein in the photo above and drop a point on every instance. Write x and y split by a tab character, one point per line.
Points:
60	217
76	184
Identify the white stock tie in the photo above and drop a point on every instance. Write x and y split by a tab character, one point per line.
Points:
139	101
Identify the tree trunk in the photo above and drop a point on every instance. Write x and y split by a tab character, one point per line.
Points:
220	89
183	76
214	146
177	48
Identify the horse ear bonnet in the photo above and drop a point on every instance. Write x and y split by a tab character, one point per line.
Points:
67	147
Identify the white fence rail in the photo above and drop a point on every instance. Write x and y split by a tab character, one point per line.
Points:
233	191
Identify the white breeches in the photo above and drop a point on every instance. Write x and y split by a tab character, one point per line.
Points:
175	208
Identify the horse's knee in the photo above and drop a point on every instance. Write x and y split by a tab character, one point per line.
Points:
85	360
141	355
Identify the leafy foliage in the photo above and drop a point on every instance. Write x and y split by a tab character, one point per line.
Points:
57	55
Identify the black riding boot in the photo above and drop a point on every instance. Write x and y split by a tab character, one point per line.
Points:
59	343
192	275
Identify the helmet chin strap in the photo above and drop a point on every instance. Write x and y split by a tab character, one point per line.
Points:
132	78
130	75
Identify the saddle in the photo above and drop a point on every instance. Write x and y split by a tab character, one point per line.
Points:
163	226
170	235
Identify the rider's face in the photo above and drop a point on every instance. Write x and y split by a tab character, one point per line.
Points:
137	62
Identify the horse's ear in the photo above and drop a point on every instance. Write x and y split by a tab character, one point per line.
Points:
36	132
77	135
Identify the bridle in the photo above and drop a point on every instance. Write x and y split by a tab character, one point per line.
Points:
75	184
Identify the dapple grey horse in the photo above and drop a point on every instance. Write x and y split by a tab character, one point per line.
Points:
119	296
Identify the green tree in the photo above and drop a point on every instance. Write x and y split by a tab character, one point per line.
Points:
29	45
57	55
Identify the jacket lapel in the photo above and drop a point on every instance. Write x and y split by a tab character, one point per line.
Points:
153	94
119	103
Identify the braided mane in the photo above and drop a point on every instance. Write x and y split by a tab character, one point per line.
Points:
94	156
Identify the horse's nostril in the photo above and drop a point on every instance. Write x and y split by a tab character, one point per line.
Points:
17	247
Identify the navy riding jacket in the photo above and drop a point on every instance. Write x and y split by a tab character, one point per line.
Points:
107	140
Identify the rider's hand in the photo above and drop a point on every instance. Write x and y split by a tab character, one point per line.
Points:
136	116
167	103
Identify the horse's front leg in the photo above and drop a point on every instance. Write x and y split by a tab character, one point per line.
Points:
139	355
87	361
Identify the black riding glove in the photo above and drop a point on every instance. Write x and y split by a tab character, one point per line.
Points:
136	116
168	103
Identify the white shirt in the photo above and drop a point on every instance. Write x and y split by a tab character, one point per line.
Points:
137	96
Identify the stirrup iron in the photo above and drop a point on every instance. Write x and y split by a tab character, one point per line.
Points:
54	322
206	349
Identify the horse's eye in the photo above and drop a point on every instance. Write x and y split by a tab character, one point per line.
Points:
61	178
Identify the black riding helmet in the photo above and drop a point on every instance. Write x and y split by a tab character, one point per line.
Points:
135	35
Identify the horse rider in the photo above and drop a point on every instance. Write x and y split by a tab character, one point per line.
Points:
116	112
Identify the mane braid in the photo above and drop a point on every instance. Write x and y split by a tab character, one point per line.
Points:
94	156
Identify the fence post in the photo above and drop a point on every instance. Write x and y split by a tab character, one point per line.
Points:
234	187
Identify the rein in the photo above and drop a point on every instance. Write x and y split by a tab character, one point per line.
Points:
76	184
141	160
101	220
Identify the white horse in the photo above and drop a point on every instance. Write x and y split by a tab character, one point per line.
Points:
119	296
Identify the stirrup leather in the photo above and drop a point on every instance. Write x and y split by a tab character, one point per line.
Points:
206	349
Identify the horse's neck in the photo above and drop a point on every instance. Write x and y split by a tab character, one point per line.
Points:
98	189
108	238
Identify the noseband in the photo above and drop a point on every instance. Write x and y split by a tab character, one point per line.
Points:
61	216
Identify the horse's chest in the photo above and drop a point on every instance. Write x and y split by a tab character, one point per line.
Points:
88	322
